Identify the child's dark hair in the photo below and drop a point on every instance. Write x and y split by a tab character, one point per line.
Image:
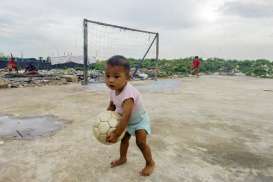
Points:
119	61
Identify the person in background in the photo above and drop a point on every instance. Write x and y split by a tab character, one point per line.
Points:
196	63
12	65
31	70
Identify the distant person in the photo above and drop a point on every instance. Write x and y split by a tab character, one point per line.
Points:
12	65
31	70
196	63
126	100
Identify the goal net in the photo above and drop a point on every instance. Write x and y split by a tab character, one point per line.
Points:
101	41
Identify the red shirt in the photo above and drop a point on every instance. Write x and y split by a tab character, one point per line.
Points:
12	63
196	63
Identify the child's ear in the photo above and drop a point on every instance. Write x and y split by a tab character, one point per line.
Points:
128	75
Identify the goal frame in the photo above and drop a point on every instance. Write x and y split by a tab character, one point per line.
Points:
85	45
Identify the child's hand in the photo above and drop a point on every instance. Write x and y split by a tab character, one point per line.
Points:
112	137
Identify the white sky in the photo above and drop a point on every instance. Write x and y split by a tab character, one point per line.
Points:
239	29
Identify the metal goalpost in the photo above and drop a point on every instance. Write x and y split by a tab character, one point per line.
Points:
155	42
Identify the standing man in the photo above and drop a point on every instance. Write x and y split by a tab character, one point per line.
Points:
196	63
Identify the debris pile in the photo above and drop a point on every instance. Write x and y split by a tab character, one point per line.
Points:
40	78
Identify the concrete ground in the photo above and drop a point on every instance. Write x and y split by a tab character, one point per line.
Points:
214	128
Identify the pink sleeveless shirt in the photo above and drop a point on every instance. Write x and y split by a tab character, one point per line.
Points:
128	92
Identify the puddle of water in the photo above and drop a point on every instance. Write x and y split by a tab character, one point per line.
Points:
166	85
28	128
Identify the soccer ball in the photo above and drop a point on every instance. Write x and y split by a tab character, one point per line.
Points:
104	124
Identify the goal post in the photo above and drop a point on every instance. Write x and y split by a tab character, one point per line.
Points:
120	47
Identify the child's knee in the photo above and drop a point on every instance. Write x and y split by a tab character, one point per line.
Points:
141	144
126	138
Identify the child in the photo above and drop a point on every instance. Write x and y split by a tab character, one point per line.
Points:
125	99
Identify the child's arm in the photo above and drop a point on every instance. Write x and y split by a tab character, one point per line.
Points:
127	106
111	106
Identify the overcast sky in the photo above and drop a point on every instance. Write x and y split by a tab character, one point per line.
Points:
241	29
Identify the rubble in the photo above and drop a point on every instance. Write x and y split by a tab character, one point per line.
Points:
3	83
44	77
70	78
53	77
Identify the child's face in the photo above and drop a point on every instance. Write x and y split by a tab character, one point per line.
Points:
116	77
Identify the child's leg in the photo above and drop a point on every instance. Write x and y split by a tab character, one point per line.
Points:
146	151
124	144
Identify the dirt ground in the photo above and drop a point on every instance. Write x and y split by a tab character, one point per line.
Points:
215	128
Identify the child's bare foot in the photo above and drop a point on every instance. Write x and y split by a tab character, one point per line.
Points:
118	162
148	169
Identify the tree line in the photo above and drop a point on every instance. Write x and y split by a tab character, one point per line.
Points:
168	67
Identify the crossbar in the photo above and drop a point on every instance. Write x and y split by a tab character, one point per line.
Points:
121	27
